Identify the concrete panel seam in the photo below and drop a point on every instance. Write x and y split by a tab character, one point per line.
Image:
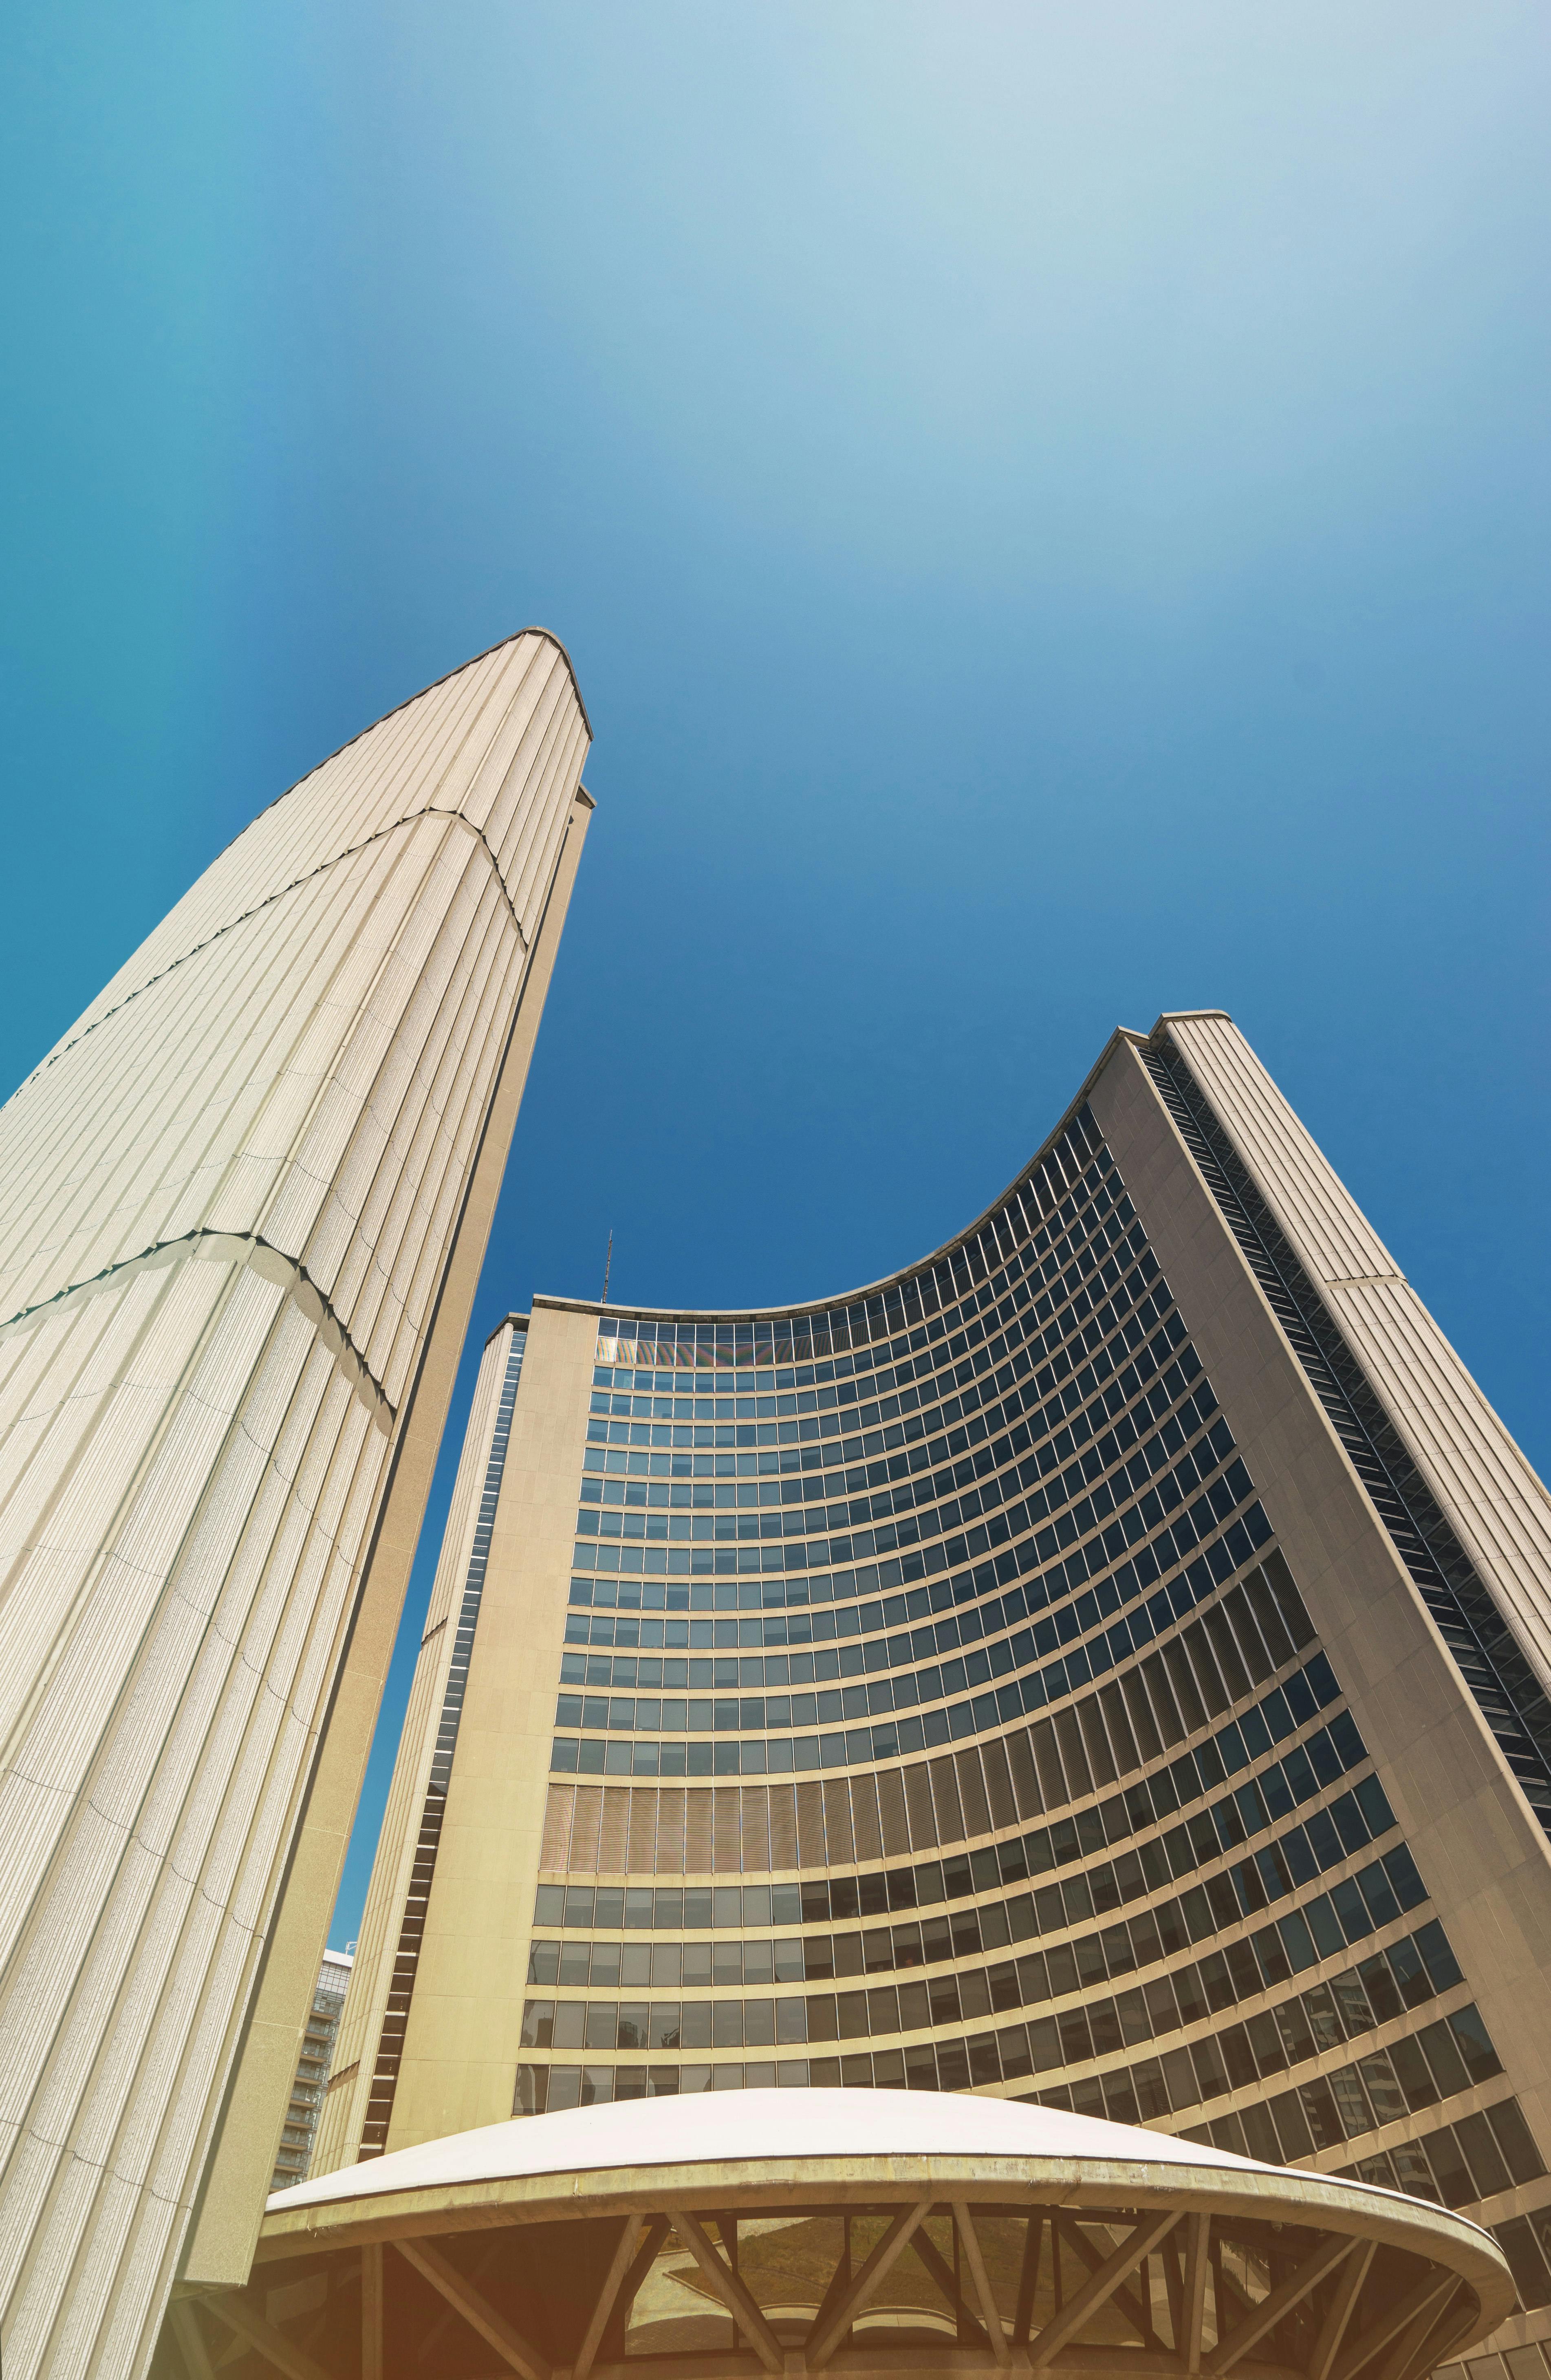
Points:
351	851
235	1248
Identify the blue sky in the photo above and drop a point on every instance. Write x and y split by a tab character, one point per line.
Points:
1048	505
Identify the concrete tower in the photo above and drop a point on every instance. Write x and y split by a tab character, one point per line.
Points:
243	1205
1107	1662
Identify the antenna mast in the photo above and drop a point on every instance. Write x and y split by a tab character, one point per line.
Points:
608	1263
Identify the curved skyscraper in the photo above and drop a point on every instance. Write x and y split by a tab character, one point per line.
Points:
1107	1662
243	1205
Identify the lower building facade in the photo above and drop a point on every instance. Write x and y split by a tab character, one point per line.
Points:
1106	1663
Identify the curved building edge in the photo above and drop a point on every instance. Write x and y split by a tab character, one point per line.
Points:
516	635
1391	1897
271	1268
999	2209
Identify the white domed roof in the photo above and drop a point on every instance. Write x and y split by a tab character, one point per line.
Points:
729	2127
750	2150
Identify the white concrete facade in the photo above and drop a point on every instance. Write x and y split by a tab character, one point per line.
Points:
242	1207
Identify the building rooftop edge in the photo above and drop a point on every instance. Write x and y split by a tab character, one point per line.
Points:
903	1273
522	1320
607	2152
532	629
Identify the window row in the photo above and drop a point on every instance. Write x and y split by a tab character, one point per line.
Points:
1047	1591
1354	1909
873	1461
812	1419
1525	2240
941	1594
1065	1424
900	1454
1085	1420
1198	1672
1093	1248
961	1596
1226	1550
658	1354
1146	1476
1456	2163
1092	2029
1055	1197
1267	1644
1068	1758
1411	1973
1093	1245
995	1404
1344	1828
1532	2363
794	1509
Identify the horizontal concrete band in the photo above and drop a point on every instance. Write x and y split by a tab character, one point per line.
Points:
229	1249
1249	2190
411	817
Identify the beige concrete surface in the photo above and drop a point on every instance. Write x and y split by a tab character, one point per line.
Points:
233	1206
1482	1853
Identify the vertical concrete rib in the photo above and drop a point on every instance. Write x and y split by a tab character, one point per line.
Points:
242	1207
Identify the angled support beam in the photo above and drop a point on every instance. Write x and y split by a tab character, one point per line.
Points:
978	2274
1450	2328
273	2345
1343	2307
838	2283
1100	2286
624	2257
1287	2294
657	2231
190	2341
947	2280
1028	2279
1197	2260
1423	2296
1174	2287
1233	2304
610	2347
1405	2353
1138	2314
822	2347
734	2296
516	2352
372	2312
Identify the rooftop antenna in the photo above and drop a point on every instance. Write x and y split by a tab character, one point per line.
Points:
608	1262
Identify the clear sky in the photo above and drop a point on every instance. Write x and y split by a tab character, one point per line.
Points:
1048	505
